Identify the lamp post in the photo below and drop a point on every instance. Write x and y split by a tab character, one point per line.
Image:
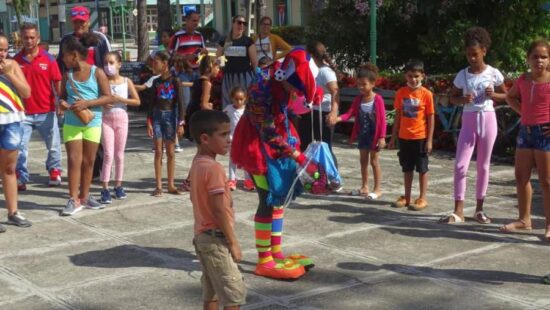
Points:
121	8
373	31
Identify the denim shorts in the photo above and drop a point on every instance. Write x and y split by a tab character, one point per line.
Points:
532	137
164	125
10	136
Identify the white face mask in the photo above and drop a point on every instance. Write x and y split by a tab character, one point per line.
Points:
110	70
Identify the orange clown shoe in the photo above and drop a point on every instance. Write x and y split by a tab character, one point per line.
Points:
288	270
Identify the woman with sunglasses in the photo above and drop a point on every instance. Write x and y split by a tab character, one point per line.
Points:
269	46
240	53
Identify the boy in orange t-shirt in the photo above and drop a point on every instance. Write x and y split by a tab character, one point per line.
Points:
414	125
215	242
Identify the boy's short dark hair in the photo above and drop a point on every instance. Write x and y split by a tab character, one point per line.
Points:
206	121
414	65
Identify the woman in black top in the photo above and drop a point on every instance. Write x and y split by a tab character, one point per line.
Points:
240	52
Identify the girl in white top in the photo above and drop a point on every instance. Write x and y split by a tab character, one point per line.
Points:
114	128
235	111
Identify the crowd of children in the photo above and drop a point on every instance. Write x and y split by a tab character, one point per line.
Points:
183	102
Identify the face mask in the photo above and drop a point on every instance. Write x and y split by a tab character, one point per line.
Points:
110	70
415	86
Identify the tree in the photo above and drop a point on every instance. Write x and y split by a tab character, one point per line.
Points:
164	16
143	34
21	7
430	30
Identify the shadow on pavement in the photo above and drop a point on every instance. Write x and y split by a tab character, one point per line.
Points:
126	256
493	277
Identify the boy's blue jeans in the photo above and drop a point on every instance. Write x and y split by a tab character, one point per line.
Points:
46	124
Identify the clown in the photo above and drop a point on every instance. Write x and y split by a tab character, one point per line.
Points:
266	145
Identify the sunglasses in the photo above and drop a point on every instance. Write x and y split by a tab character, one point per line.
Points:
78	13
241	22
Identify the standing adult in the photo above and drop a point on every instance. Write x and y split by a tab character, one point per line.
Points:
240	52
12	86
189	42
328	108
80	18
43	76
269	44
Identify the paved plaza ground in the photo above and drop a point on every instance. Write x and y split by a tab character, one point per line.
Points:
137	253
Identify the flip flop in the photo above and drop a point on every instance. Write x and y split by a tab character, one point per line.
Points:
446	219
174	191
482	218
373	196
157	192
359	192
513	227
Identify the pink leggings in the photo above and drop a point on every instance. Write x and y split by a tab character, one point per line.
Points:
478	129
114	134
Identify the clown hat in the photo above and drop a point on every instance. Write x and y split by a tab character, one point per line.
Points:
300	71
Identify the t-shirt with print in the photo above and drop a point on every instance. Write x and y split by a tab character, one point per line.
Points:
236	53
207	178
476	84
415	105
325	76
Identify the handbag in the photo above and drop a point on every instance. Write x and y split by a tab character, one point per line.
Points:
85	115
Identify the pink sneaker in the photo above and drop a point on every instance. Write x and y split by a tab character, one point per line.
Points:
232	184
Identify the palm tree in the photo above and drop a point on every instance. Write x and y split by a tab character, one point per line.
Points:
164	15
143	34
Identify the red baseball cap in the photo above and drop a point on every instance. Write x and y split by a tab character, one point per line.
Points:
80	13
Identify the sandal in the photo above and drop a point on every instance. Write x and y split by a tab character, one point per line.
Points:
401	202
482	218
174	191
359	192
419	204
451	218
185	186
157	192
517	225
373	196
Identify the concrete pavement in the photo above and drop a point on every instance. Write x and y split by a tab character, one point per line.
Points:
137	253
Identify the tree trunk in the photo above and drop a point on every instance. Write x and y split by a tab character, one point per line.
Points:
164	16
143	34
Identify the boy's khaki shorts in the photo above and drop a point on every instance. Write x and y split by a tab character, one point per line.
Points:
221	278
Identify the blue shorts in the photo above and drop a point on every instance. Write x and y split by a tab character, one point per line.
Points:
164	125
10	136
532	137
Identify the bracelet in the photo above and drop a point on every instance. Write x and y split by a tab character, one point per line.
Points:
181	123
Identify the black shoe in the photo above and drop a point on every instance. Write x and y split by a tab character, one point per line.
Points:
17	219
2	228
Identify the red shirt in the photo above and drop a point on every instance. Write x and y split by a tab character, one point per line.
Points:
40	73
185	43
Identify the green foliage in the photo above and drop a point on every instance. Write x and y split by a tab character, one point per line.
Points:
431	31
21	7
294	35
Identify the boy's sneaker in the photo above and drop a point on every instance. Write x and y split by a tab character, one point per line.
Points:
2	228
105	196
119	193
232	184
55	177
18	219
178	149
71	208
248	185
91	203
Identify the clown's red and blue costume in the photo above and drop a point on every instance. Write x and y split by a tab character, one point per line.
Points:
265	131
